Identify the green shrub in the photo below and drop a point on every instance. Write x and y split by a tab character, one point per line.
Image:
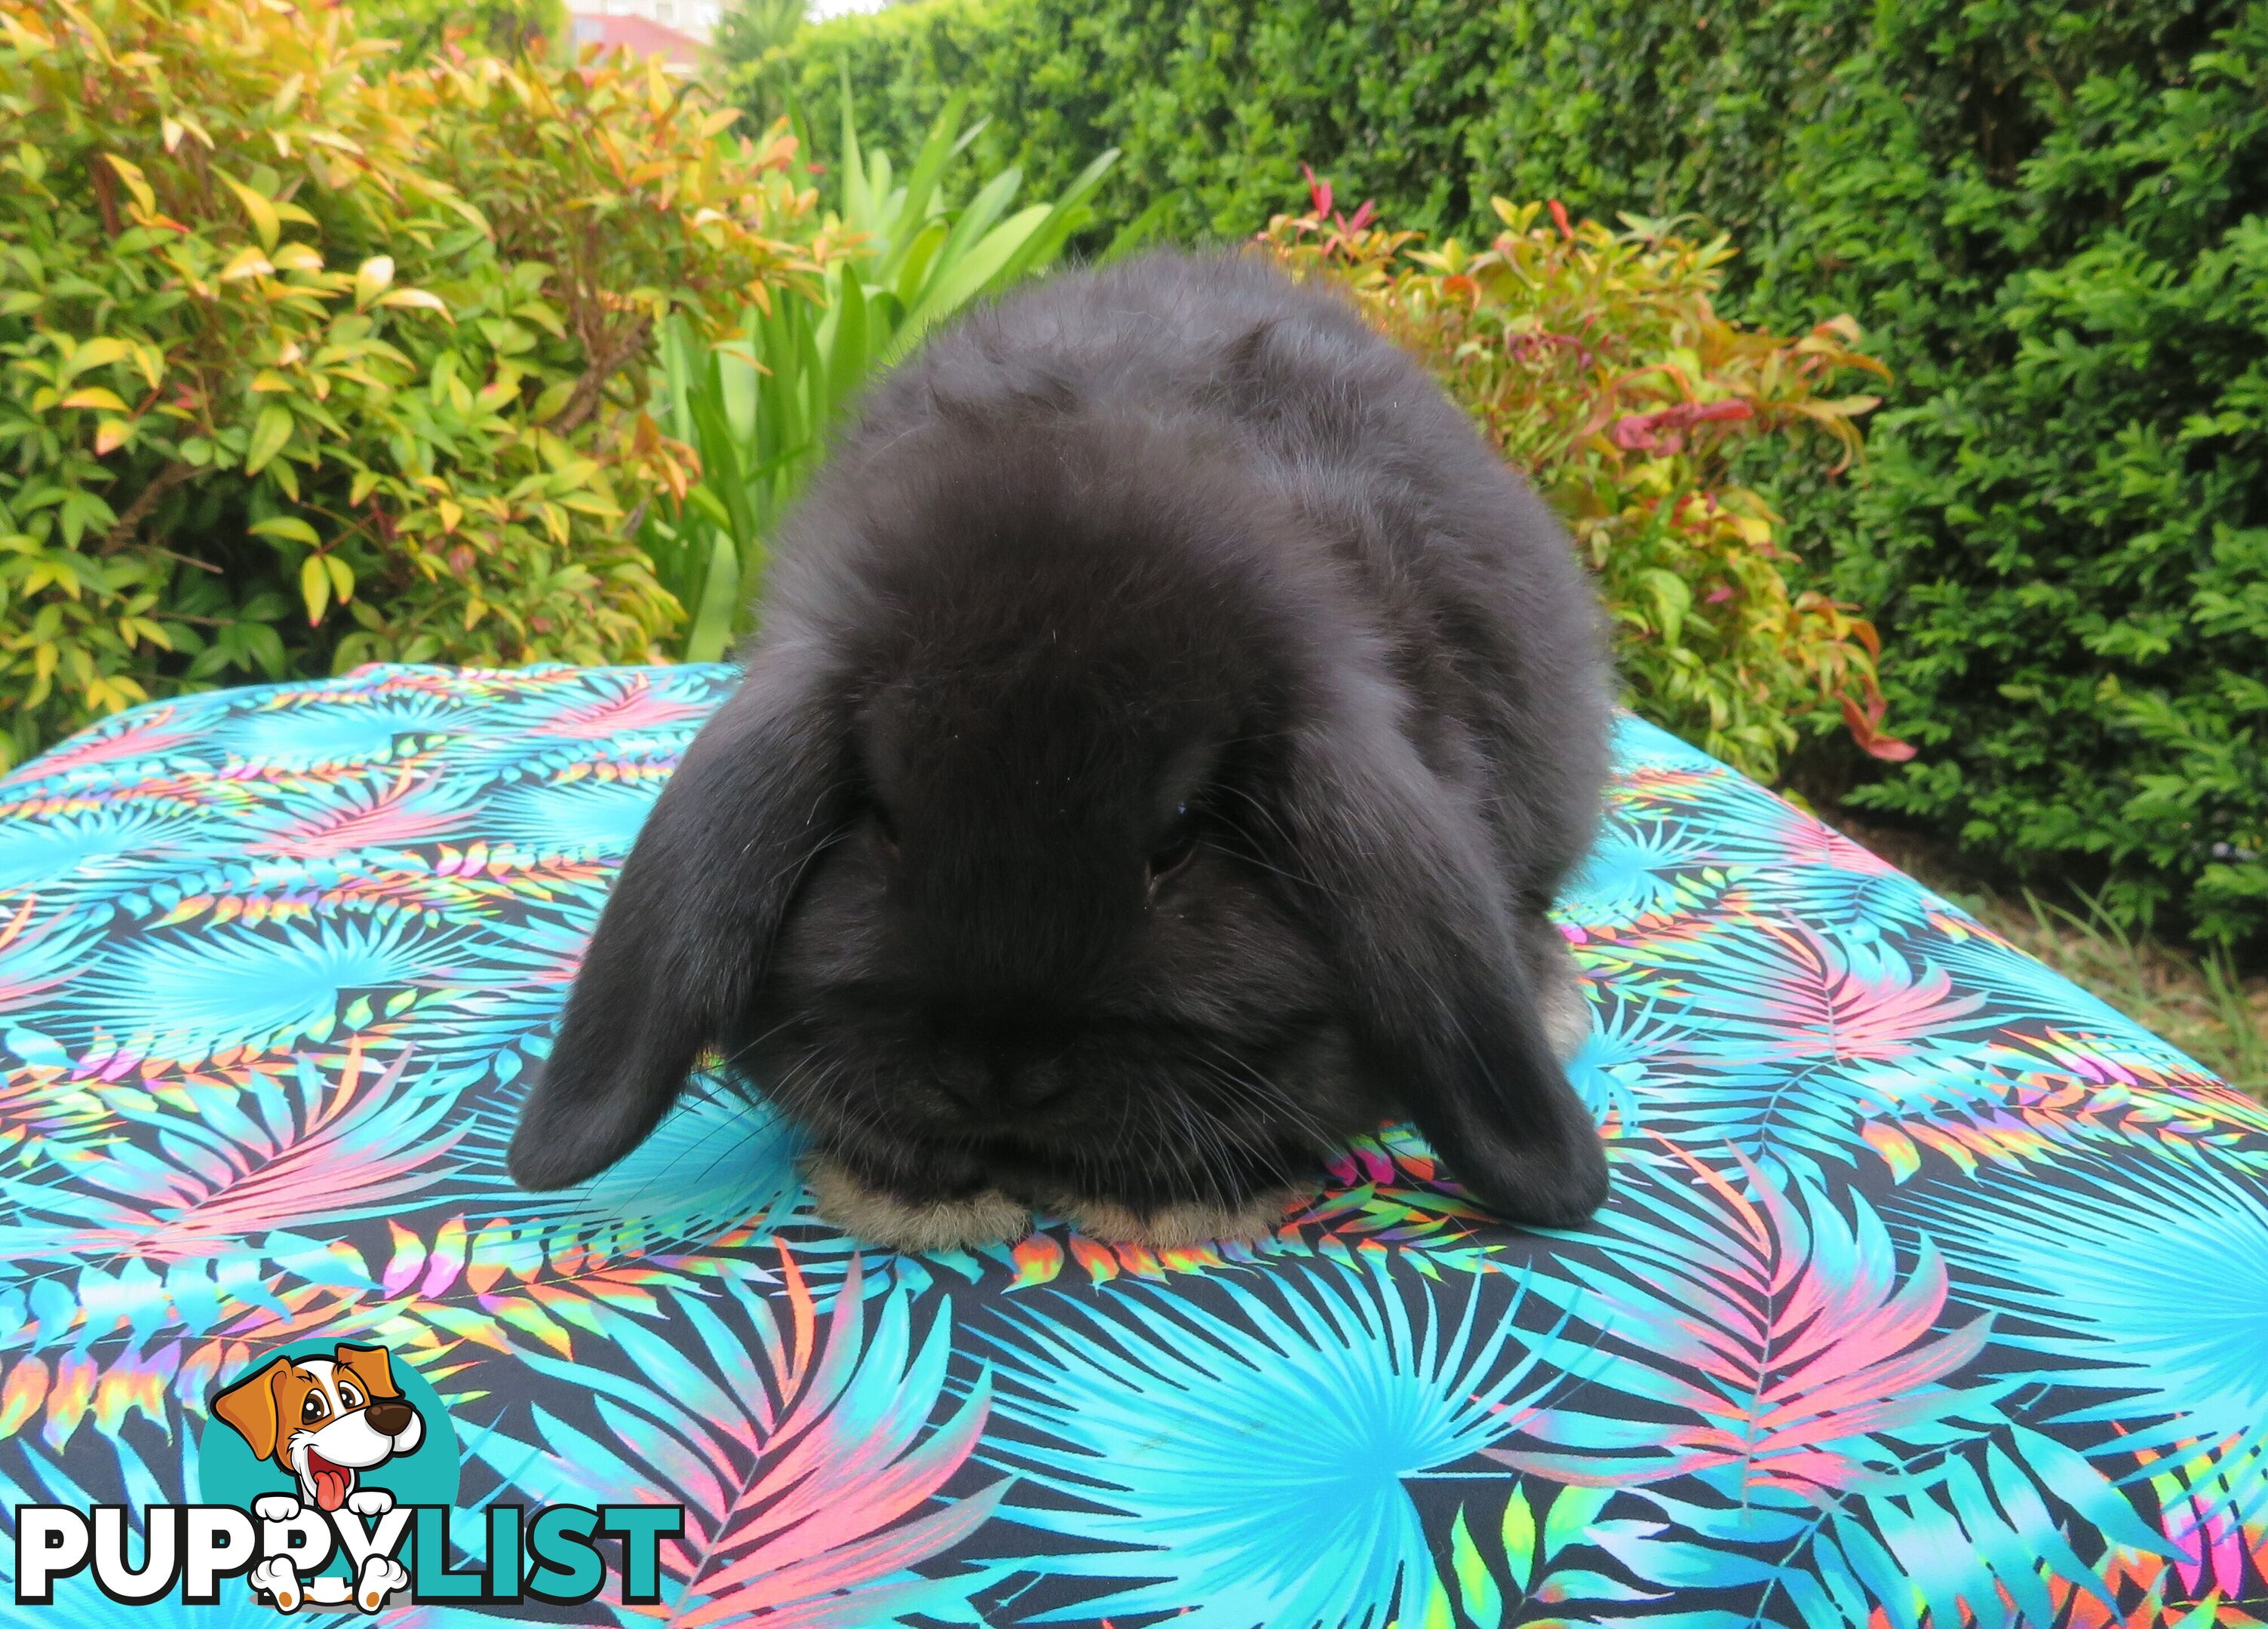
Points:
1431	106
2048	216
2060	223
309	364
1597	363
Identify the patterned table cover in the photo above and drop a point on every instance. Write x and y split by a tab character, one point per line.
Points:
1932	1292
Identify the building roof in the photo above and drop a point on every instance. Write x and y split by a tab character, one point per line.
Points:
641	35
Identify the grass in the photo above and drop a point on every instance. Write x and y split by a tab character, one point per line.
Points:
2203	1003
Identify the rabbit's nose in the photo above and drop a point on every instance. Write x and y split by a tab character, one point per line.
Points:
1028	1082
1001	1081
389	1417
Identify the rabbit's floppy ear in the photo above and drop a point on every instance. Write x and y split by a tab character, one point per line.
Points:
682	943
1406	889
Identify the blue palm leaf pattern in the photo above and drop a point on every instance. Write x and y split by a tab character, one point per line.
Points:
2198	1383
307	729
718	1160
100	844
188	992
1927	1297
573	816
1206	1436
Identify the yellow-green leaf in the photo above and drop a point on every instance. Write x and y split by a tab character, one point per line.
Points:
247	262
94	354
268	379
1484	1601
373	278
110	434
95	396
341	577
131	174
364	482
548	405
268	435
289	527
417	298
1519	1536
314	587
265	222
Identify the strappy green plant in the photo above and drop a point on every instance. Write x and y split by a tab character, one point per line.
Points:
758	403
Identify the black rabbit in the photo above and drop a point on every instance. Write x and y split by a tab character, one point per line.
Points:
1169	726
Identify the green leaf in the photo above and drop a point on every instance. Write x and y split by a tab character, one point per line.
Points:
1069	214
847	354
272	430
1573	1509
974	224
913	271
857	206
921	185
314	587
1519	1536
720	594
94	354
289	527
1483	1600
1672	599
960	274
266	223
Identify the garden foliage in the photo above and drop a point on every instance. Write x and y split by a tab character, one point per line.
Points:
757	404
309	363
2052	218
1597	363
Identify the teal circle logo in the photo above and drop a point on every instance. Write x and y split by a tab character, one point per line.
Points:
321	1422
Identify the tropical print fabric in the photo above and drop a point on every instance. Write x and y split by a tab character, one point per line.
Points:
1932	1292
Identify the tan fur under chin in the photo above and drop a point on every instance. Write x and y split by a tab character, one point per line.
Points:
1173	1226
987	1218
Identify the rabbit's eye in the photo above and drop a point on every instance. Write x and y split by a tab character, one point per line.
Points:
886	829
1175	848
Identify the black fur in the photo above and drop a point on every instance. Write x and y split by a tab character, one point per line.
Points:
1172	534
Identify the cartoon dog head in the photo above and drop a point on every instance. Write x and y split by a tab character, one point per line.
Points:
324	1419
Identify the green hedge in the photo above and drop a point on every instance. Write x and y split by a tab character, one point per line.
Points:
2048	217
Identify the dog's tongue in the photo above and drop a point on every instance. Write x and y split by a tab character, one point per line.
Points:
331	1482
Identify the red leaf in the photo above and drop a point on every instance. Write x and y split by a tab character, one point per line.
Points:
1863	727
1559	218
1635	432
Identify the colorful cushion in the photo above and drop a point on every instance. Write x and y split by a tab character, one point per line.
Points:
1932	1291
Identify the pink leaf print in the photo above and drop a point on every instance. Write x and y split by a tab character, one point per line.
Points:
1782	1333
637	706
411	810
363	1143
